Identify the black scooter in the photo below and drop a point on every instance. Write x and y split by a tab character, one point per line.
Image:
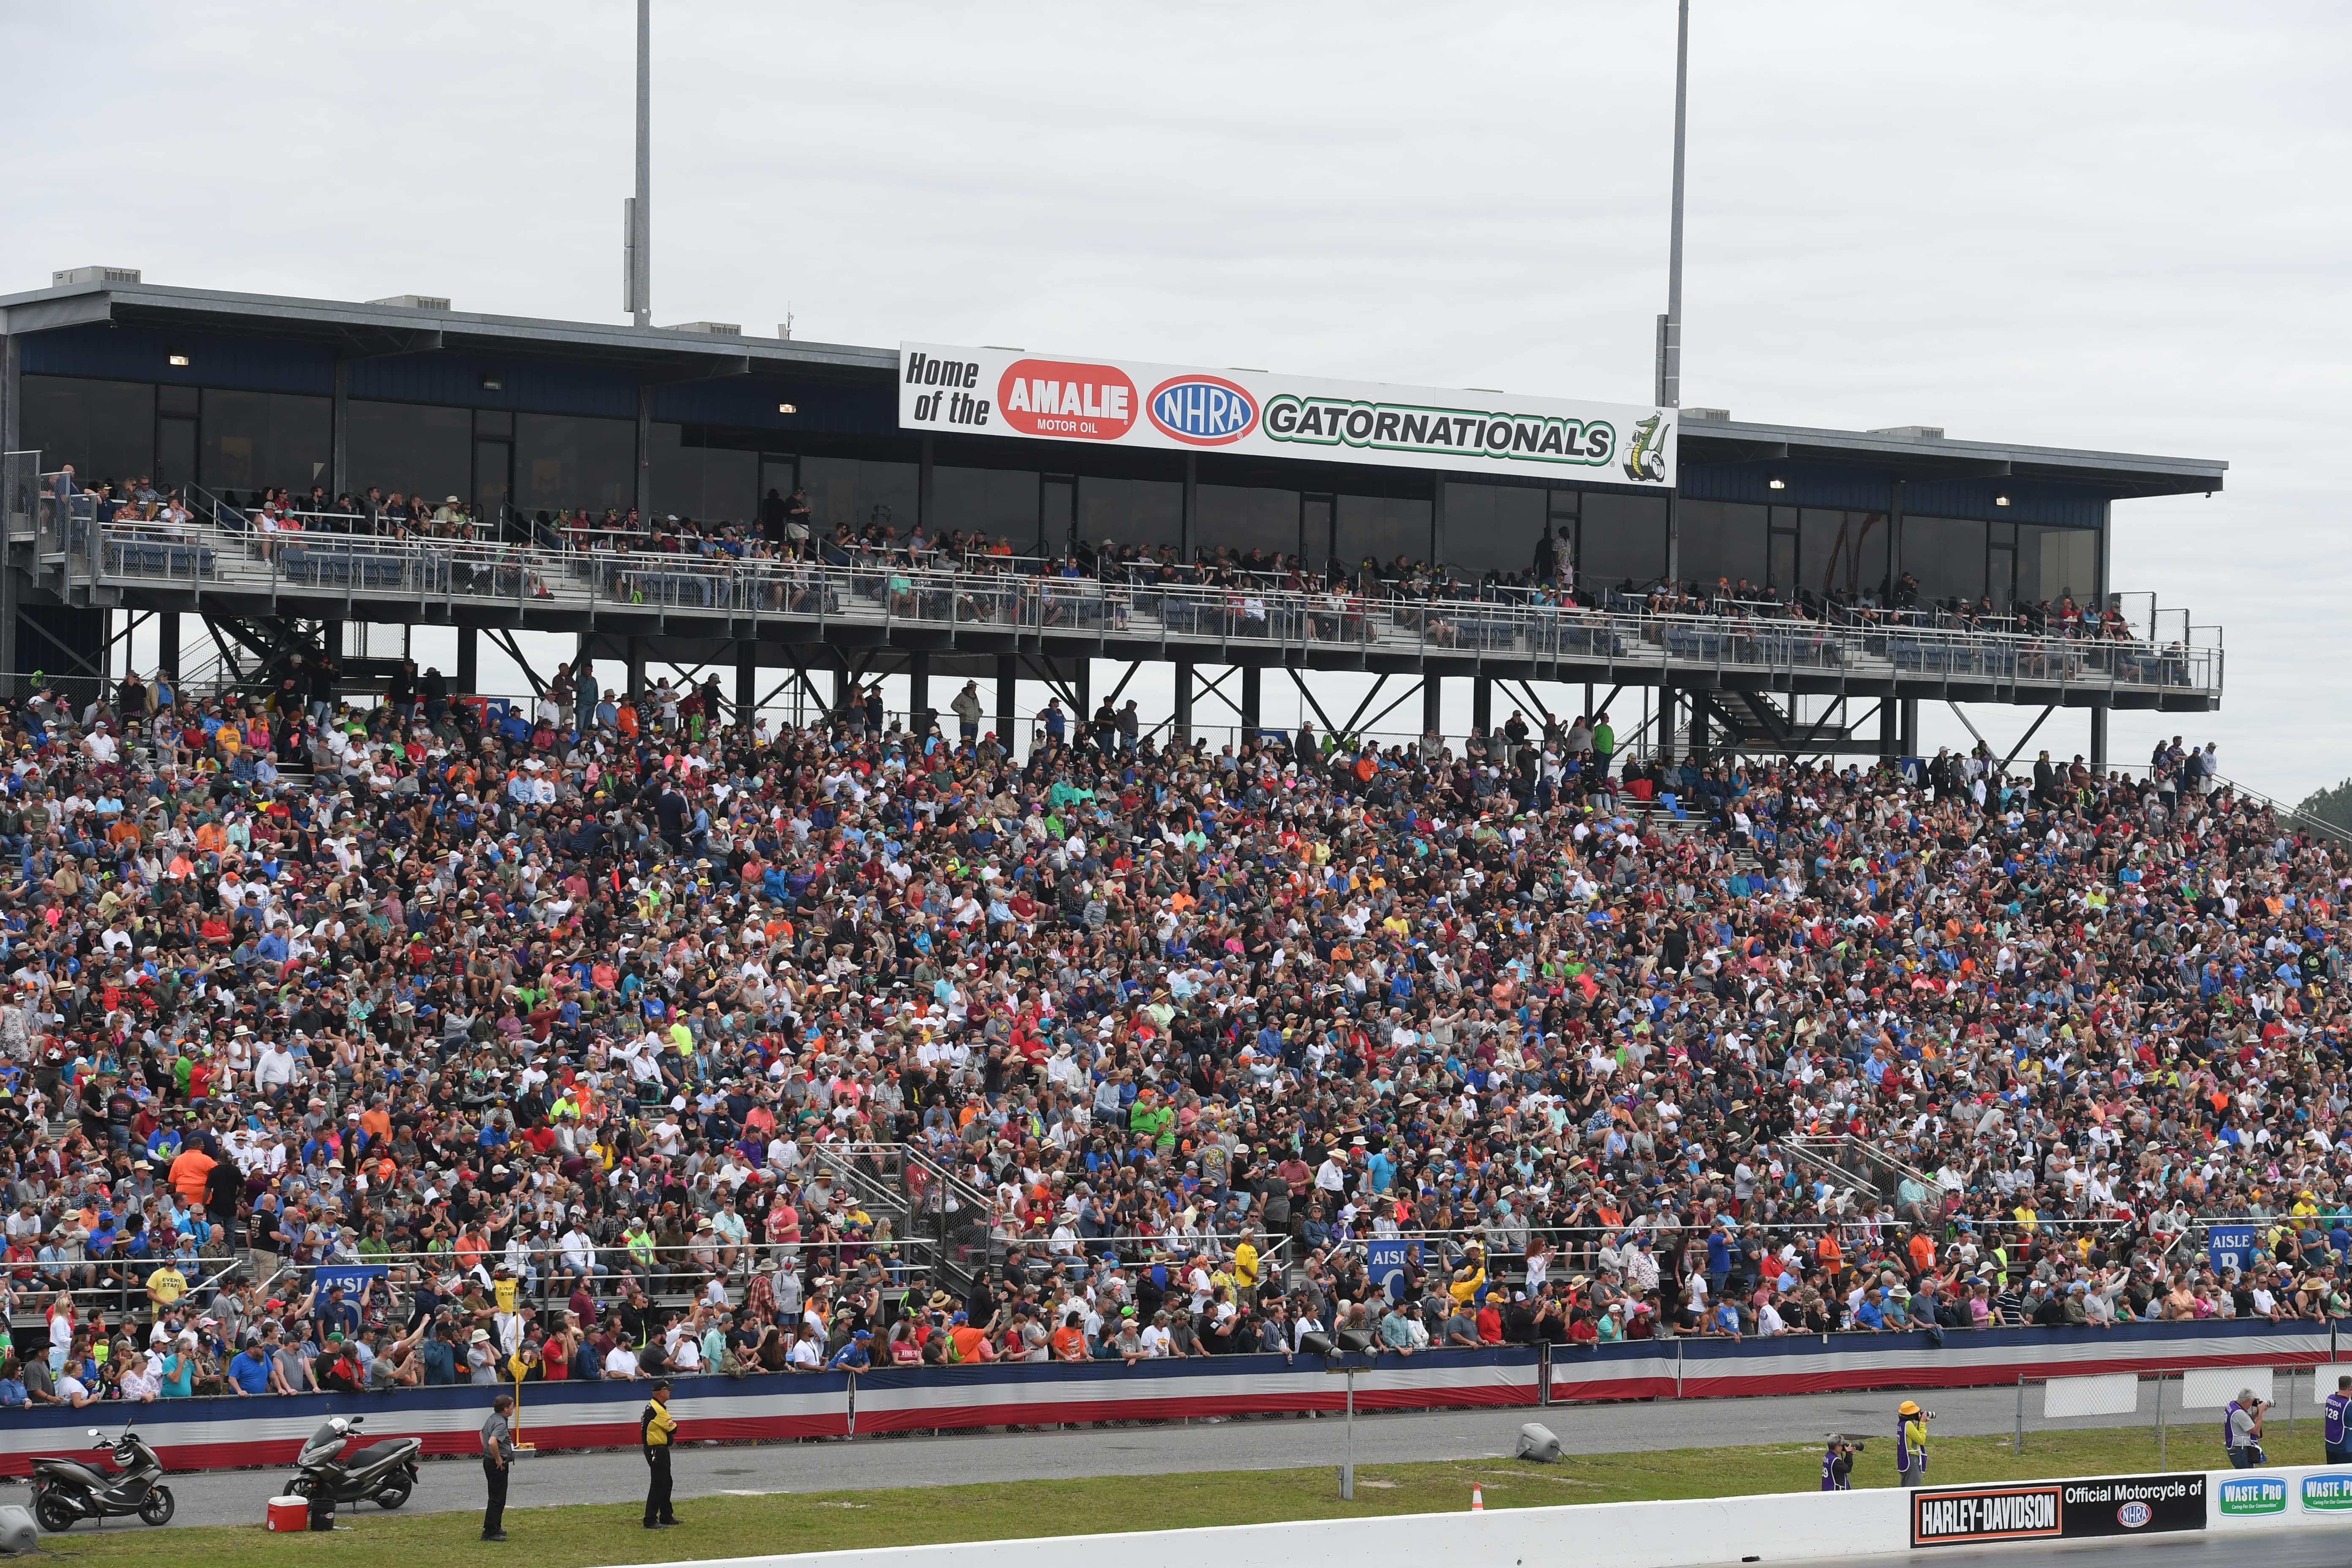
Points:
66	1491
383	1473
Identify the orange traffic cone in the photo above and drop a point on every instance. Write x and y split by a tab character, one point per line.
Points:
1477	1498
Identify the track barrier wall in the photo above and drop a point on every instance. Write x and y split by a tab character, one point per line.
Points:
210	1433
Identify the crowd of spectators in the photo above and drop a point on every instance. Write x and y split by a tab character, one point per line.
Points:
554	1019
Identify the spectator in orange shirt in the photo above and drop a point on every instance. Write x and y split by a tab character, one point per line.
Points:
192	1173
972	1345
1070	1340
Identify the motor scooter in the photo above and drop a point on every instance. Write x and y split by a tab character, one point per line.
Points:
66	1491
332	1464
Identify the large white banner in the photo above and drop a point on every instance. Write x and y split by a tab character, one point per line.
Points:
1008	392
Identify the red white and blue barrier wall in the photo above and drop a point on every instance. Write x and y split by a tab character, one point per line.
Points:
1826	1363
200	1434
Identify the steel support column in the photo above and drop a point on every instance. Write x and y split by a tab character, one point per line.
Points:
636	676
338	426
469	660
927	506
1252	708
167	644
1667	699
11	588
1433	706
1482	703
746	680
645	455
2098	740
1181	723
1910	726
1890	730
1190	525
1008	706
918	693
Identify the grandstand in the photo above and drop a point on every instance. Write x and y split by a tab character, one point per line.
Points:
1792	591
596	1039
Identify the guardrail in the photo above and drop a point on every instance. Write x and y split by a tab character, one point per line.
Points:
426	574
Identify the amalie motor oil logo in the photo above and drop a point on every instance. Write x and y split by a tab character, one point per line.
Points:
1061	398
1202	410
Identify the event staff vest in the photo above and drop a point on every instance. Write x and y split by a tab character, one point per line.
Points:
2227	1416
2333	1418
1906	1457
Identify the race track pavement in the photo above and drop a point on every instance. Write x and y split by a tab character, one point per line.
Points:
238	1497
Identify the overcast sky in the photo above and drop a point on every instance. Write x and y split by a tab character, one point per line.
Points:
2098	226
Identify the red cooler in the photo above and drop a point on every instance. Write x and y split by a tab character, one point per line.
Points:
289	1513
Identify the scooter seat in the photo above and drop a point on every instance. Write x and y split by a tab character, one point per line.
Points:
74	1470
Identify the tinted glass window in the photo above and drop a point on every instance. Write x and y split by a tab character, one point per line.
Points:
999	502
1247	517
1842	551
564	461
1722	541
1947	554
1493	528
1148	512
407	448
106	429
1383	527
1622	537
264	439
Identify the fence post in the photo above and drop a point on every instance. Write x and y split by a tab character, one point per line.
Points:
2019	1448
2160	1420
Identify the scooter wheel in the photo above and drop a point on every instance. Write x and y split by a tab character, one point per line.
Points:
54	1513
158	1506
392	1496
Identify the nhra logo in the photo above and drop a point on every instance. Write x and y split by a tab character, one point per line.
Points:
2132	1515
1202	410
1079	402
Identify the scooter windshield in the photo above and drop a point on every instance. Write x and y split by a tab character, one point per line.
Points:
324	1444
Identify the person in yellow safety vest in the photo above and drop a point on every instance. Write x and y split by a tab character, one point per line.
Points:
1910	1444
1471	1278
658	1432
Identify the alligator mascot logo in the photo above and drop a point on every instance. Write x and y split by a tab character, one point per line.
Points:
1647	460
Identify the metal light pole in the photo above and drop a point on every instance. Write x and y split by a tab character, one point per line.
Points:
1670	325
637	228
1348	1470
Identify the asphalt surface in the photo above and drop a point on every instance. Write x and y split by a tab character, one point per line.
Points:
238	1497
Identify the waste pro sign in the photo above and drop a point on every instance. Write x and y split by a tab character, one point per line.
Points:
1067	397
2117	1505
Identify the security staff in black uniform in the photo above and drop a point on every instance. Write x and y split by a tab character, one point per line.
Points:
498	1464
658	1434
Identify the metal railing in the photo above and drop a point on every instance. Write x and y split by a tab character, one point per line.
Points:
1184	620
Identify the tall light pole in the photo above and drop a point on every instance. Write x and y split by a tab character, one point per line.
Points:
638	230
1670	325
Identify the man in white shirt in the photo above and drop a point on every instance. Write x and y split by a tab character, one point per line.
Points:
620	1364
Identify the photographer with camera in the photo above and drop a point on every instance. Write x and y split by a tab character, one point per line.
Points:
1911	1444
2241	1430
1837	1464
